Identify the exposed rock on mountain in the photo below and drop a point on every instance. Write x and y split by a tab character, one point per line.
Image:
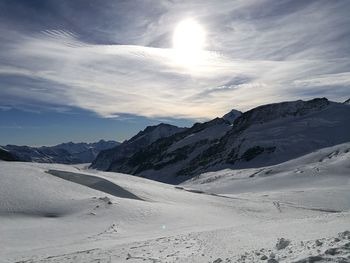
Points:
109	158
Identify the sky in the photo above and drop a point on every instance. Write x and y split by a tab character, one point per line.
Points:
84	70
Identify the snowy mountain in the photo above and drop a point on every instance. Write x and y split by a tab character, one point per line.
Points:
169	154
110	157
67	153
298	211
265	135
347	101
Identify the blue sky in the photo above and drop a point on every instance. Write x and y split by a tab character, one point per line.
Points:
53	127
84	70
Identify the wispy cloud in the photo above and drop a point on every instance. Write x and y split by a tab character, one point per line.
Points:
257	52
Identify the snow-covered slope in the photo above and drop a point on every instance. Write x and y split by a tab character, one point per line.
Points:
60	213
112	157
326	170
66	153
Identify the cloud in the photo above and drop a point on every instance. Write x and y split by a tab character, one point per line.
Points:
336	79
257	52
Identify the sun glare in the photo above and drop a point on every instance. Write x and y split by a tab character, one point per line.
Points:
188	42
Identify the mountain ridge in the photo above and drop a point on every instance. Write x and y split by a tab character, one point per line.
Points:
266	135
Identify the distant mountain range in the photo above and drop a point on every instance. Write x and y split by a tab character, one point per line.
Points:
66	153
265	135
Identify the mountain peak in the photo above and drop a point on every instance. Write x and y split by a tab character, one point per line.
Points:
347	101
232	115
154	128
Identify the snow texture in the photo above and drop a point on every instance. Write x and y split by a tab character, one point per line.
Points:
296	211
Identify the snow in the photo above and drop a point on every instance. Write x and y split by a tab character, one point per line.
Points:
67	213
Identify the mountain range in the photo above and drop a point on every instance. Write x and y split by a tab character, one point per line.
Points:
66	153
266	135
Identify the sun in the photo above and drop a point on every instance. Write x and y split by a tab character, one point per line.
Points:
188	42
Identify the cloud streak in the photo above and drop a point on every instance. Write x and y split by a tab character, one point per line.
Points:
281	52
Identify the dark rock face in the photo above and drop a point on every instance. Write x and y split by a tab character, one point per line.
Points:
7	156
